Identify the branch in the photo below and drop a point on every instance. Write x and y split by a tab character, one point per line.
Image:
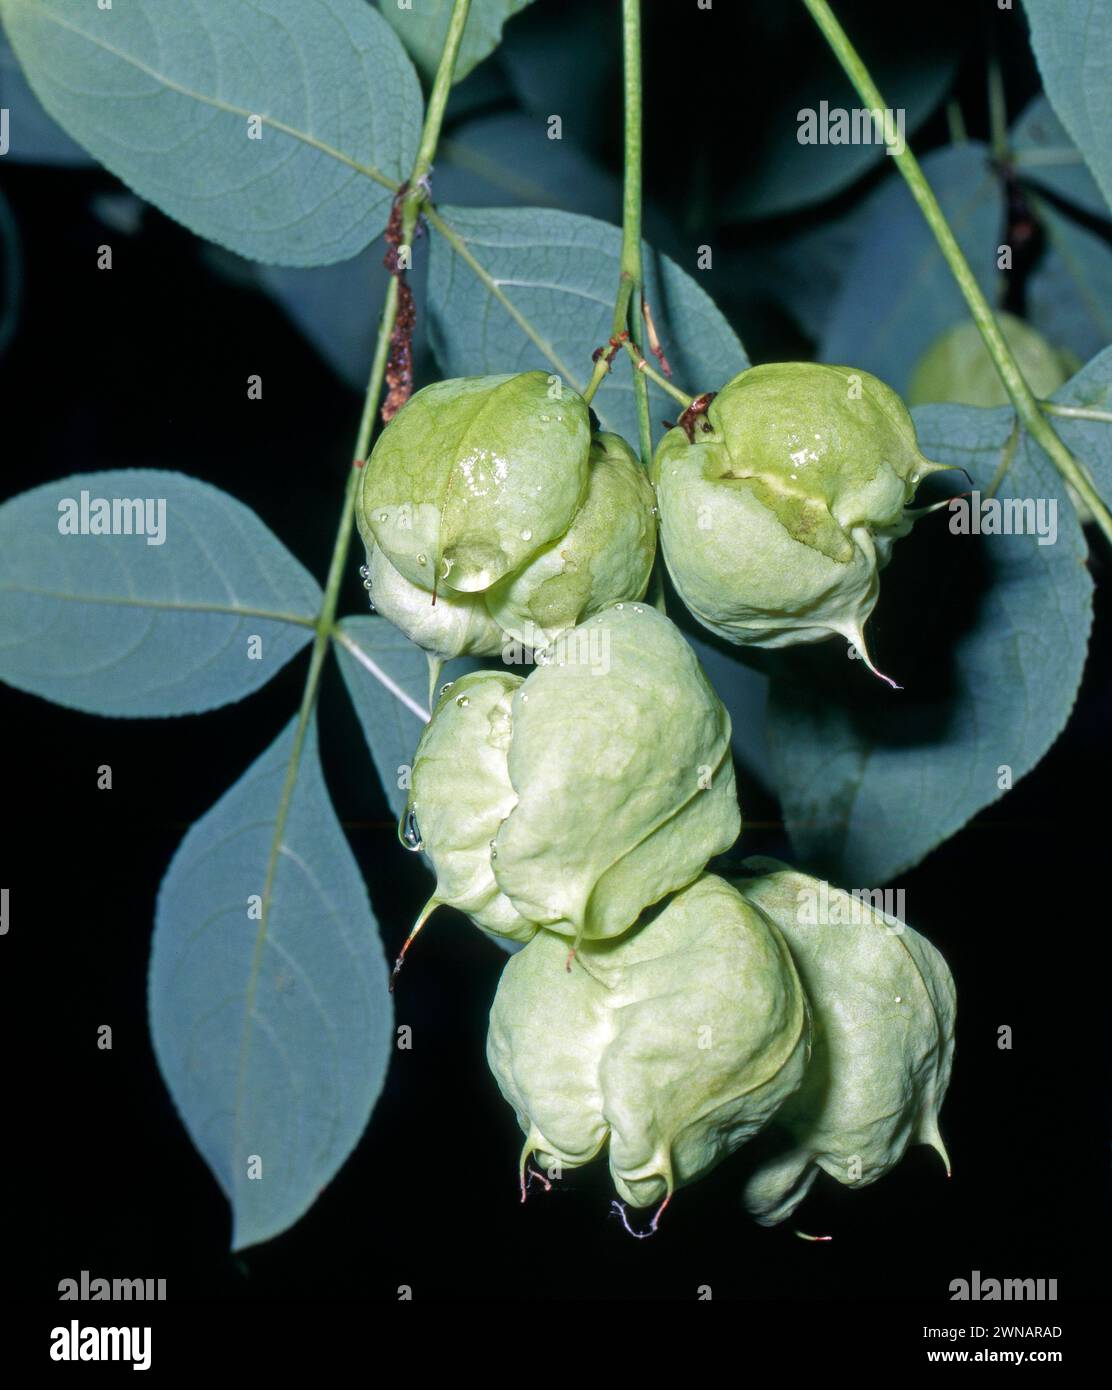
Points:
631	276
1022	397
325	623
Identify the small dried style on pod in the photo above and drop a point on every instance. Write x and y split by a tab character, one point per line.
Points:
672	1044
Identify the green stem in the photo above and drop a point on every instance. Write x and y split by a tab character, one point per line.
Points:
643	368
326	619
1027	407
630	276
1077	412
632	272
632	269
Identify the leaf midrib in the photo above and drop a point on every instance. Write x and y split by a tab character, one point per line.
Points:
298	619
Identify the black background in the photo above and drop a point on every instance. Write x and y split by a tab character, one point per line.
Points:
145	366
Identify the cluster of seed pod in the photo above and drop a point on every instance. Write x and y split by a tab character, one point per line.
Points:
655	1010
493	517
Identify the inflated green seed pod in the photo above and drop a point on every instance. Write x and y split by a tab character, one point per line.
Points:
621	767
473	477
957	366
459	794
582	795
674	1043
605	556
882	1003
454	625
779	511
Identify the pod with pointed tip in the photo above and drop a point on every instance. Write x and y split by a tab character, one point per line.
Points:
580	796
672	1044
460	793
883	1004
777	515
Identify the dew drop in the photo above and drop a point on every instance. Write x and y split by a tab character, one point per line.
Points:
422	560
899	998
637	610
445	688
383	516
363	571
462	701
526	535
409	832
493	850
367	585
619	605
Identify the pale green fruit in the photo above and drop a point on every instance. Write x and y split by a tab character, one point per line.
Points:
459	794
675	1042
605	556
452	625
776	520
957	366
580	796
882	1002
621	765
474	476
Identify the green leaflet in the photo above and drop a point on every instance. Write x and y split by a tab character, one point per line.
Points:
169	98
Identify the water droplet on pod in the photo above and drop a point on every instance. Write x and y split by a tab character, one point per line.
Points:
409	832
462	701
422	560
526	535
445	688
